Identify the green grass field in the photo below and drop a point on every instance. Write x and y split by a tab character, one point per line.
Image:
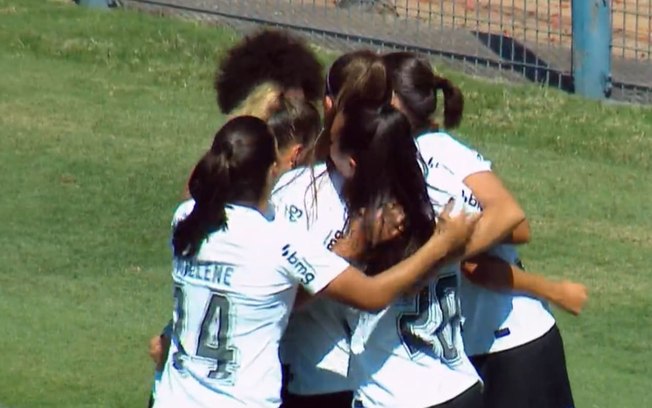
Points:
102	115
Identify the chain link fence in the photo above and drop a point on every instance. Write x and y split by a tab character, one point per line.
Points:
517	40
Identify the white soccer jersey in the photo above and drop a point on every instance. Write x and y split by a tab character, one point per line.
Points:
494	321
440	150
411	354
232	303
497	321
316	344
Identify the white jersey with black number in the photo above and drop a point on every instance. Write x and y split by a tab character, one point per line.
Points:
232	303
411	354
316	344
494	321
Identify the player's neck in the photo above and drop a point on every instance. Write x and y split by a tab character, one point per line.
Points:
263	206
263	202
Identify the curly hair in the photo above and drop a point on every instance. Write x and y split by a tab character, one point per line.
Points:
267	55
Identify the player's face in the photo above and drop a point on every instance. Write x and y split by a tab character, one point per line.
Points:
344	163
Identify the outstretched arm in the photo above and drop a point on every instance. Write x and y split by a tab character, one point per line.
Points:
496	274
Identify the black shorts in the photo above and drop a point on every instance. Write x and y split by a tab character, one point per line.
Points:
529	376
337	400
471	398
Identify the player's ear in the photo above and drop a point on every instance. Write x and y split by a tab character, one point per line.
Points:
328	104
297	151
352	163
274	172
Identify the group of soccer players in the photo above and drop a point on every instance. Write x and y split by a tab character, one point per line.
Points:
359	258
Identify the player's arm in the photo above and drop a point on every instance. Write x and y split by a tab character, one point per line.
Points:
388	224
496	274
159	346
502	216
364	292
503	219
520	234
302	298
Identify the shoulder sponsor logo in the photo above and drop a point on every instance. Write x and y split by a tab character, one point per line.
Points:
300	264
293	213
332	238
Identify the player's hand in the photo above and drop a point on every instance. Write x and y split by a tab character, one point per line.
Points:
455	231
571	296
386	223
158	348
370	228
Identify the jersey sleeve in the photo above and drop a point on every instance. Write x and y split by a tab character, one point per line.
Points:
307	262
183	210
460	159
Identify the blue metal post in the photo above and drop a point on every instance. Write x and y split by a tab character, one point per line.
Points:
101	4
591	59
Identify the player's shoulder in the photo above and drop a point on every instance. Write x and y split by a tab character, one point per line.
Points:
182	211
439	140
298	179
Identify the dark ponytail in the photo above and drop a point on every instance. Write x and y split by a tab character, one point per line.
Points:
356	78
388	169
234	171
366	85
453	101
416	86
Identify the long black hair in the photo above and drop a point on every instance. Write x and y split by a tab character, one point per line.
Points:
359	78
234	170
388	168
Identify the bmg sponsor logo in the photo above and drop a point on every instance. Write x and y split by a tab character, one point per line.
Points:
470	199
299	264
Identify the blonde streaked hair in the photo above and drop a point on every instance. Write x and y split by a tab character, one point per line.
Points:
263	100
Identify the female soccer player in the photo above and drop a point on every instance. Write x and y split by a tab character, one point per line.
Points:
295	124
368	162
411	353
512	339
236	271
315	348
273	75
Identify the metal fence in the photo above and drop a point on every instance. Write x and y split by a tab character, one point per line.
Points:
605	51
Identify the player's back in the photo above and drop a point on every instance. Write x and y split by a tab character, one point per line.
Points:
231	306
411	354
315	346
494	321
